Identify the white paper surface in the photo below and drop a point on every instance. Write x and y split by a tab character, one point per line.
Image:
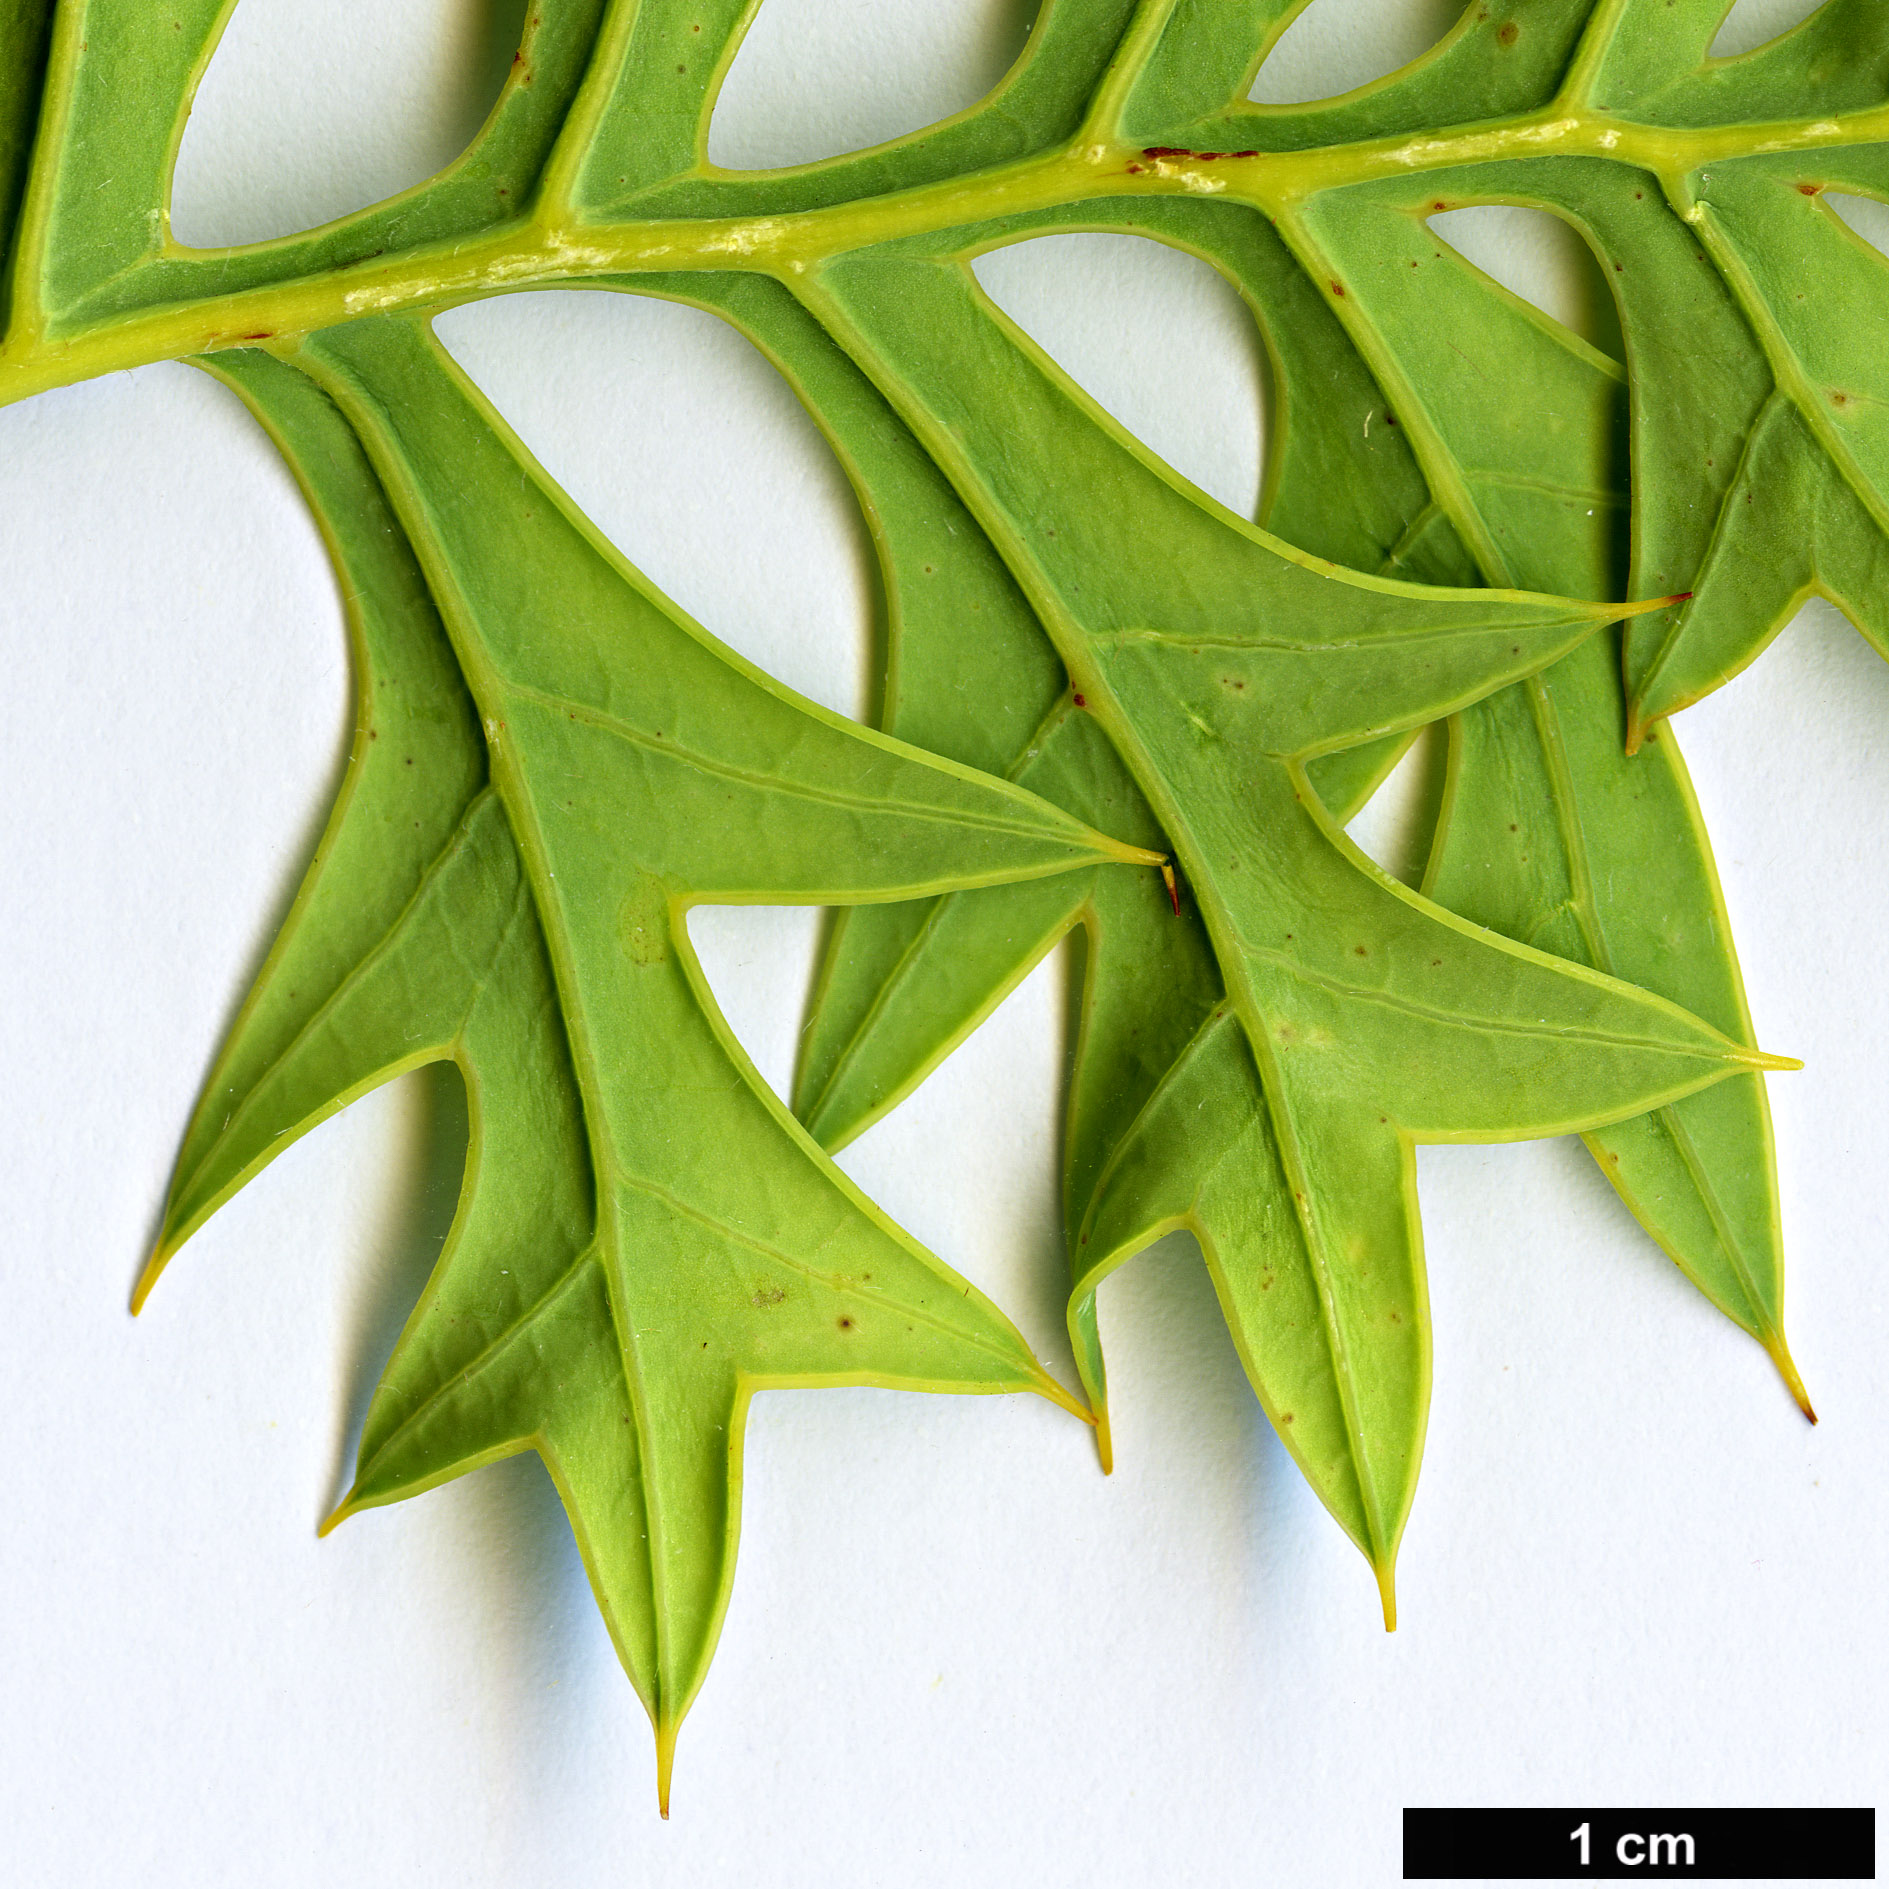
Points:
955	1652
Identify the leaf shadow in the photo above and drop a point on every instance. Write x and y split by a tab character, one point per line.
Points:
309	113
435	1128
1190	1434
538	1627
902	84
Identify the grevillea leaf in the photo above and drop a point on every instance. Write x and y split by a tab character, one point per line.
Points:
1095	672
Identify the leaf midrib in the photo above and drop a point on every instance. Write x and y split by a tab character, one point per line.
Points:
628	733
555	245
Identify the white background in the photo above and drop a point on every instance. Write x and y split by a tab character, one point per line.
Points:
955	1653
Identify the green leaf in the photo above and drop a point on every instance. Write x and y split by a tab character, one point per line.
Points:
552	764
1551	834
1206	652
549	772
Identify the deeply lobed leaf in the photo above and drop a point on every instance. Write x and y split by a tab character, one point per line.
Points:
552	764
645	1236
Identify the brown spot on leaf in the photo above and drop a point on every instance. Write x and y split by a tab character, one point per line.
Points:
1508	33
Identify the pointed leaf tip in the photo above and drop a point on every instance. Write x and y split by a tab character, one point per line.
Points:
1780	1353
1763	1059
665	1763
335	1518
1641	607
1104	1442
1386	1572
153	1271
1048	1387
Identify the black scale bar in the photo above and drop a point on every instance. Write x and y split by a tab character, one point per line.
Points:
1583	1845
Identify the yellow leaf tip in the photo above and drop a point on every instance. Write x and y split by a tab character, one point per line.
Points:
1645	606
1763	1059
1386	1573
153	1271
1773	1342
1047	1386
334	1519
665	1763
1104	1440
